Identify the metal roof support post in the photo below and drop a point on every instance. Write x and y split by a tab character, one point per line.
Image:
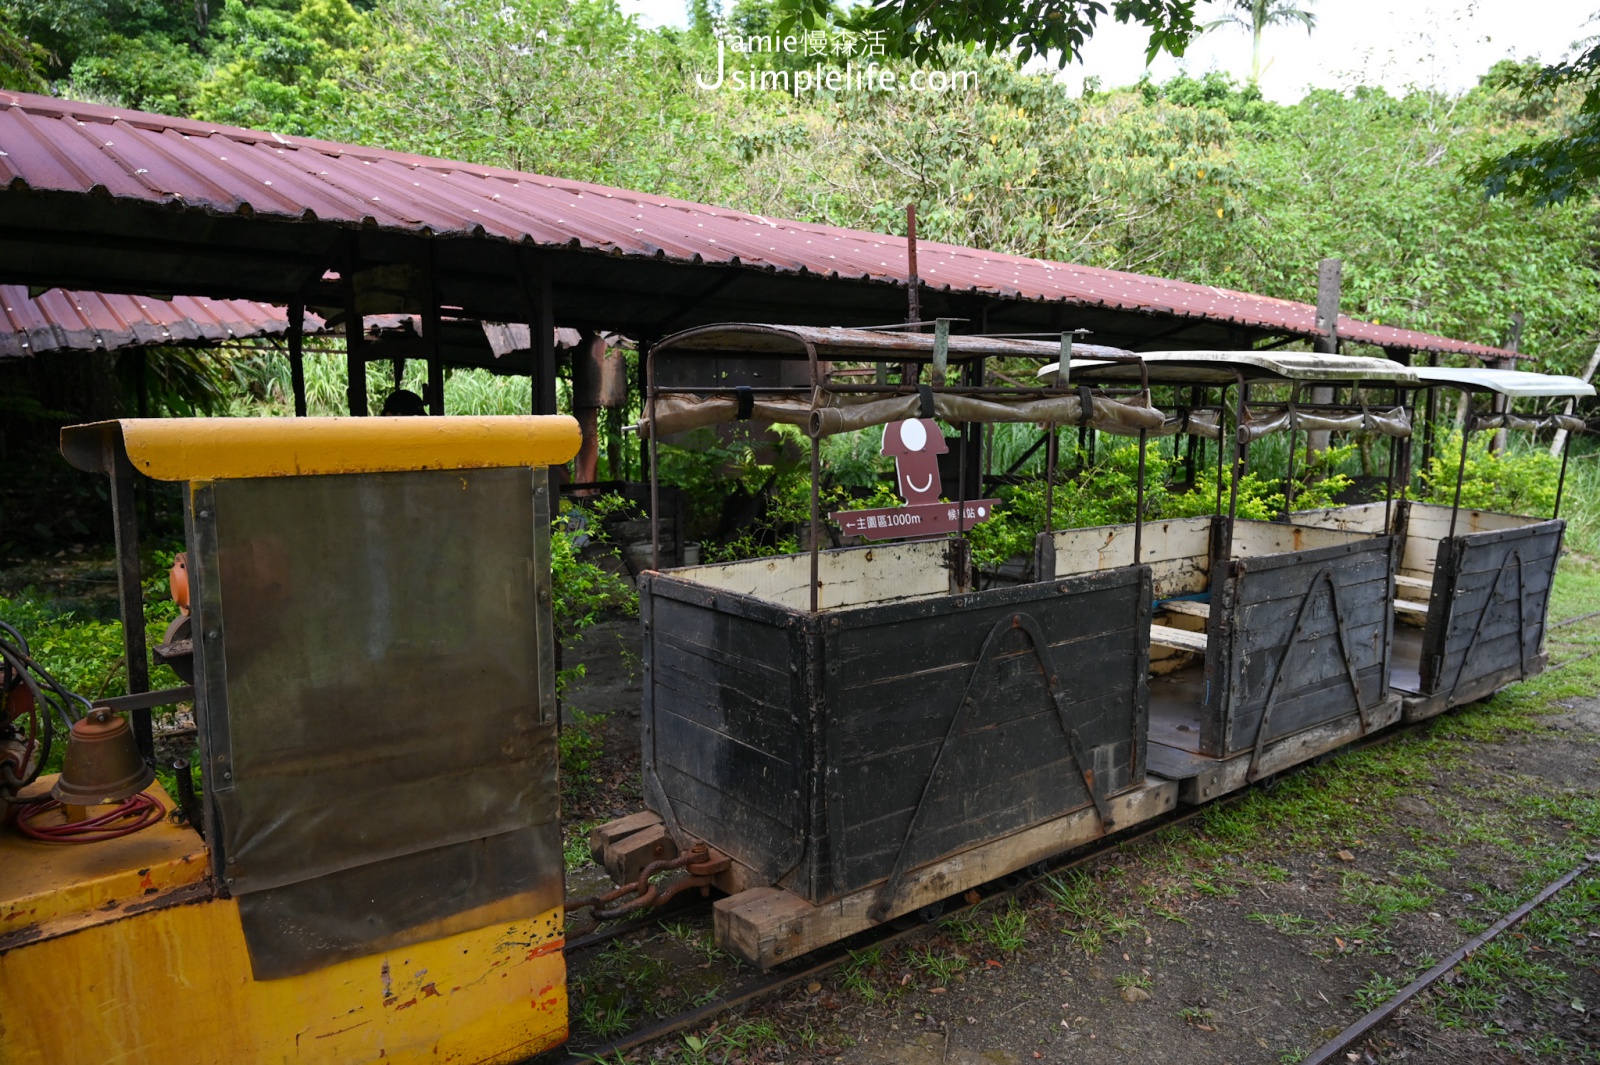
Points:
1561	482
1239	446
1461	467
1288	483
130	594
430	332
816	470
297	354
649	358
1329	281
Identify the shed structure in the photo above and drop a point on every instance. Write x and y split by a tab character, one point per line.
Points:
103	198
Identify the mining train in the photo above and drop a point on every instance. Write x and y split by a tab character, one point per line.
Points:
833	738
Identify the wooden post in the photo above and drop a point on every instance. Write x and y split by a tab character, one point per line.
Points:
430	333
1512	341
1329	281
355	362
297	355
541	336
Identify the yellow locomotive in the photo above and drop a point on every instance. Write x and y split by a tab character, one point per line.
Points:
379	875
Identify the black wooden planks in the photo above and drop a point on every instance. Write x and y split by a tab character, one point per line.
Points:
1492	601
803	745
1261	607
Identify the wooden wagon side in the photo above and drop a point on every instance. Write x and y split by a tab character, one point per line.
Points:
1487	613
1293	630
1472	606
1299	658
887	752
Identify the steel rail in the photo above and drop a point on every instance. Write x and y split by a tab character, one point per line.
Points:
1372	1019
1007	887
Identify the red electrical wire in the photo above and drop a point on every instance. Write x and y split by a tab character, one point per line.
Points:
137	811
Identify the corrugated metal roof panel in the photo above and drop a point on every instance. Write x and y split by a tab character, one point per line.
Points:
59	145
60	320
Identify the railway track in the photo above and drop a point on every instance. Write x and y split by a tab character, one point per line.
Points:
904	929
911	927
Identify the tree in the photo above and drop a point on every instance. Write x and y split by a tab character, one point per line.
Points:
1256	16
917	29
20	59
572	89
1557	165
1014	163
1375	179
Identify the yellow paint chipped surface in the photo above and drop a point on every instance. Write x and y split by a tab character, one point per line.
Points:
54	886
194	449
173	987
172	984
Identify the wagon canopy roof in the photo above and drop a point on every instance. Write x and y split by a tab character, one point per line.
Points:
838	344
1219	367
1506	382
105	198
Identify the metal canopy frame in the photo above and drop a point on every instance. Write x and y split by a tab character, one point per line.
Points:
883	344
1512	384
1239	370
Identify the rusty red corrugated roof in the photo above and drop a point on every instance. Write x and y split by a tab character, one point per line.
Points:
62	320
52	144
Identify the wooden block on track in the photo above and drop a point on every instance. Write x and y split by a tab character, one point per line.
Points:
625	859
603	836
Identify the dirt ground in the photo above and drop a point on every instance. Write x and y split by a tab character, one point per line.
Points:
1251	935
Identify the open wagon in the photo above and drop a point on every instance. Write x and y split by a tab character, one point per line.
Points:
860	729
1271	641
1472	586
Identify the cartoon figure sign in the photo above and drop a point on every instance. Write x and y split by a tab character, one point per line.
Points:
915	444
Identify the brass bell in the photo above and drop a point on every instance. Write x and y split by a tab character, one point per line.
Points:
102	762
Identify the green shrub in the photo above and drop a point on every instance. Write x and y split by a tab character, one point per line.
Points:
1516	480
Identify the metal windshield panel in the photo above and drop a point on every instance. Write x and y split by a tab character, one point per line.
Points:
1505	382
1223	367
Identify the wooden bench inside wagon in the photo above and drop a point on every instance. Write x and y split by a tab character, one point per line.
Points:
861	730
1472	587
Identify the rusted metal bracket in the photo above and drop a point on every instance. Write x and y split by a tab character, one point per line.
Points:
1522	640
1262	732
703	865
964	709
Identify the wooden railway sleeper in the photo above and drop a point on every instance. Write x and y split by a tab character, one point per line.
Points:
1262	733
700	861
883	905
